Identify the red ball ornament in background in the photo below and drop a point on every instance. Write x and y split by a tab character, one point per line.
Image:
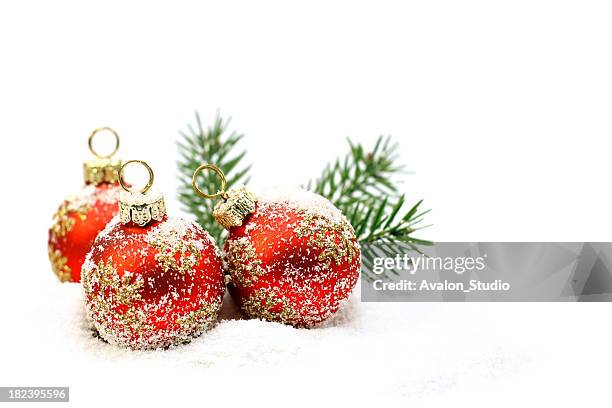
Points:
82	216
292	256
152	281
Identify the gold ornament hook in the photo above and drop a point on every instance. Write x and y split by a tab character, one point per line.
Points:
94	133
219	172
149	183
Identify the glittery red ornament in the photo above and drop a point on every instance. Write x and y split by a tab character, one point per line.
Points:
83	215
77	222
292	256
152	281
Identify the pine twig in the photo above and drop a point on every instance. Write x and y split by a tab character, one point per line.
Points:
359	176
363	186
211	145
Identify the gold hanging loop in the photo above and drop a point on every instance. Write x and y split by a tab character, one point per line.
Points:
149	183
219	172
91	138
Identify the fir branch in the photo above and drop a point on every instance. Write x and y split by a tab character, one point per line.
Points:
212	145
389	235
360	175
363	186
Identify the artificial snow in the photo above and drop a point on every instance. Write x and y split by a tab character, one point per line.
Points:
173	230
89	194
299	199
412	341
369	353
134	198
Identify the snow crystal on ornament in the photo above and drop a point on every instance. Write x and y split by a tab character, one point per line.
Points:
138	198
300	199
90	194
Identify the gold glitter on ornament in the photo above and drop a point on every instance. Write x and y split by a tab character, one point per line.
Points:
59	265
114	291
63	222
244	266
201	319
168	247
128	292
322	234
260	303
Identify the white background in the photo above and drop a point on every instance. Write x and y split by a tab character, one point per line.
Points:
502	110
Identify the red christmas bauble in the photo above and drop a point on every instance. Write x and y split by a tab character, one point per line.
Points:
76	224
153	286
294	260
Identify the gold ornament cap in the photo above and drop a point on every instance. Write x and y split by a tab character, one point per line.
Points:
102	168
140	207
238	202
